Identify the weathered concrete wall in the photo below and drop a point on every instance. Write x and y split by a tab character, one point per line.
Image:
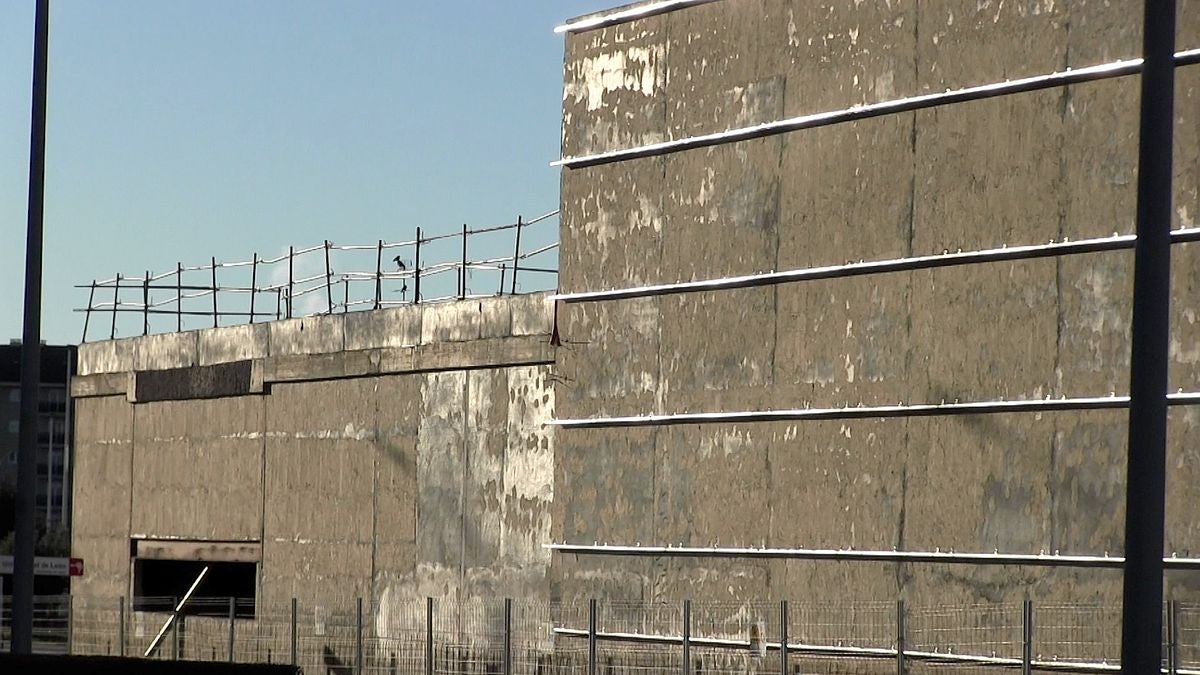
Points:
1021	169
386	455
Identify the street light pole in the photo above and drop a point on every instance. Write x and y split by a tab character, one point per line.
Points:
22	626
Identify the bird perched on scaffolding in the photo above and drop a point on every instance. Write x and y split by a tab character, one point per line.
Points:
404	283
399	263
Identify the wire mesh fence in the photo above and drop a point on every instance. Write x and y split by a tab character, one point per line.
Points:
326	278
522	637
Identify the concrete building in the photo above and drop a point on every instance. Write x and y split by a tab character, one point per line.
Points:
54	428
404	453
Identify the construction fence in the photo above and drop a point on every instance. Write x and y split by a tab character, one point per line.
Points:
510	637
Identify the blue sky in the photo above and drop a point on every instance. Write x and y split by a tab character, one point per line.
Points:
187	129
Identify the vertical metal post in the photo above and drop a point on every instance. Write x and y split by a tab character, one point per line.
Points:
358	639
346	293
417	271
278	303
591	664
462	270
87	317
295	640
68	444
502	271
783	637
121	627
70	620
1172	637
22	625
1145	487
179	296
1027	637
328	278
428	601
175	629
214	289
507	664
516	256
50	470
253	284
379	274
291	278
900	637
146	303
116	304
687	637
232	615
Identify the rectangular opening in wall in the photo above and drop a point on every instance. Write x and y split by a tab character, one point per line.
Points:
160	584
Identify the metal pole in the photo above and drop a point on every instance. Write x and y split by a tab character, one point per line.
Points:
687	637
49	469
294	636
591	636
87	317
462	270
428	601
328	278
179	296
22	625
291	277
1145	488
175	629
1172	637
68	445
253	284
121	627
232	614
214	289
1027	637
507	636
417	270
502	271
900	637
379	274
783	637
358	628
112	333
516	256
146	303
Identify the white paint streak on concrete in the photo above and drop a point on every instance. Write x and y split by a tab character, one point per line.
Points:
635	69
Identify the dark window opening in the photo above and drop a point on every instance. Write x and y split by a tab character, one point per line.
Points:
158	585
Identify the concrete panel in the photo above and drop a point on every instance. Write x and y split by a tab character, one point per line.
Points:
168	350
483	450
232	343
614	79
197	470
110	356
441	469
528	471
452	322
532	314
396	472
101	495
393	327
308	335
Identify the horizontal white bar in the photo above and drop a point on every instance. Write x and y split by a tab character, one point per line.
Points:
626	15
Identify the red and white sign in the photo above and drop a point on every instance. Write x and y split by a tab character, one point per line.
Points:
47	567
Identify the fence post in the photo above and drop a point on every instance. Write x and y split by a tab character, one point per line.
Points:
516	256
1027	637
253	284
232	614
900	637
417	271
462	270
328	279
1172	637
146	303
591	667
87	317
116	304
502	271
783	637
121	627
175	628
291	278
358	640
507	636
687	637
214	287
294	636
70	622
379	274
178	296
428	601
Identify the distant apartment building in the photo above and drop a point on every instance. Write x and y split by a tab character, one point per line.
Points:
54	428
